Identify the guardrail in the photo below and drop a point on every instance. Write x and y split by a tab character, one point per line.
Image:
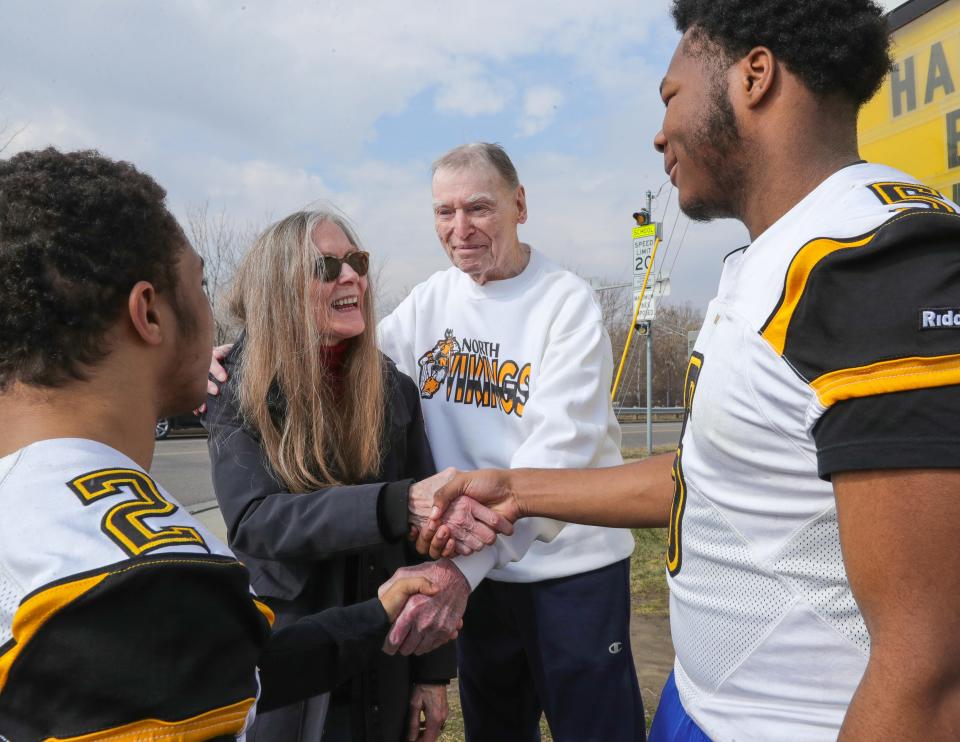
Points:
639	414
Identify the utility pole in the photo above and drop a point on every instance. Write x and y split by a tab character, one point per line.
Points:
649	360
646	237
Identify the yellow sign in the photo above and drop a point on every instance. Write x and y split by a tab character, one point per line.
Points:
643	239
913	123
647	230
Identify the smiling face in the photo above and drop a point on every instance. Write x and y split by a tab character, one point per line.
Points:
340	302
699	139
476	215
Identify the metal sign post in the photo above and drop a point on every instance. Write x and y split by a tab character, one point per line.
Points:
645	241
650	391
645	294
646	237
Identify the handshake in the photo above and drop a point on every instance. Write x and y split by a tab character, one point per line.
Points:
426	603
449	511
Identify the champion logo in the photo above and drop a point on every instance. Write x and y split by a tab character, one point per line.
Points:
940	319
615	648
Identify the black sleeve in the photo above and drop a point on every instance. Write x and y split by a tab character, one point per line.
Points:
263	519
166	638
868	323
918	429
440	665
437	667
392	513
318	652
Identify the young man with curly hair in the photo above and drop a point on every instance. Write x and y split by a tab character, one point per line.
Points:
813	503
122	617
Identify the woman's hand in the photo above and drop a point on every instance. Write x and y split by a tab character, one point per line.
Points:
217	372
490	490
467	525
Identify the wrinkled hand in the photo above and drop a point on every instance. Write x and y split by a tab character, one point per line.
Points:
431	700
427	622
468	525
489	488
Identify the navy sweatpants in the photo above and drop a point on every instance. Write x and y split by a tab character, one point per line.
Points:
559	646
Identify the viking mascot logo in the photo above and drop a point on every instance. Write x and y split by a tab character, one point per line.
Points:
435	364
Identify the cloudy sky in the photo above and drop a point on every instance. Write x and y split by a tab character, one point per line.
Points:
258	108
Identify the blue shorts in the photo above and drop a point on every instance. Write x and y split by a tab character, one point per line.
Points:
671	723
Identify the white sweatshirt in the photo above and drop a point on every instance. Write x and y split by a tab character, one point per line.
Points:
515	373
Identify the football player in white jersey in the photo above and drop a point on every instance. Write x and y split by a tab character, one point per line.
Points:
813	503
122	617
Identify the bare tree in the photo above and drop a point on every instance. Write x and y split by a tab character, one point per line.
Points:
221	243
6	138
7	135
616	309
670	353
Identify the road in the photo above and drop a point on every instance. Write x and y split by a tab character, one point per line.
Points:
664	434
181	465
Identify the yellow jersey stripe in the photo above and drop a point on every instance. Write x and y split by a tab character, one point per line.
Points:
898	375
799	272
227	720
266	611
34	613
39	608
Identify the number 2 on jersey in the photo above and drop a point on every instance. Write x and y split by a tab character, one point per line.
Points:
675	533
123	523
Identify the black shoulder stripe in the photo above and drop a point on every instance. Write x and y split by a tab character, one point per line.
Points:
184	558
168	639
853	306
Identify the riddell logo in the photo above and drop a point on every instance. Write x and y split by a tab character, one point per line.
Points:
940	319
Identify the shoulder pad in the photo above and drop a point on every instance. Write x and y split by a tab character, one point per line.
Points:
855	315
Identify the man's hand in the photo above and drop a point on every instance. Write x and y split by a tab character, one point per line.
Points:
484	487
427	622
467	525
395	592
431	700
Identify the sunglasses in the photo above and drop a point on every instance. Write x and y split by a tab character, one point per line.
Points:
329	267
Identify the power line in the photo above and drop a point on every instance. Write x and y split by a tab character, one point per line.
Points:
633	368
673	229
685	228
657	195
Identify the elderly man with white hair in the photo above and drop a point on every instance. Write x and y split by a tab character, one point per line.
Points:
514	368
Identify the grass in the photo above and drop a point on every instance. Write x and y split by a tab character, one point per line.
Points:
453	732
629	454
648	590
648	586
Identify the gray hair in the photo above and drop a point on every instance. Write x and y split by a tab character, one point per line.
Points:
325	435
469	155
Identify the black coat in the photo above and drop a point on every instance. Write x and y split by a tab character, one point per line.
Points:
336	546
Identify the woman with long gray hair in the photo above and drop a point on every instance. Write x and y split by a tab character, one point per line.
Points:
316	441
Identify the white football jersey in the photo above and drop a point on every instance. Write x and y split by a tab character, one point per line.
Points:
121	616
824	311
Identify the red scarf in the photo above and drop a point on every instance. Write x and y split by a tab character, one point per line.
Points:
332	358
